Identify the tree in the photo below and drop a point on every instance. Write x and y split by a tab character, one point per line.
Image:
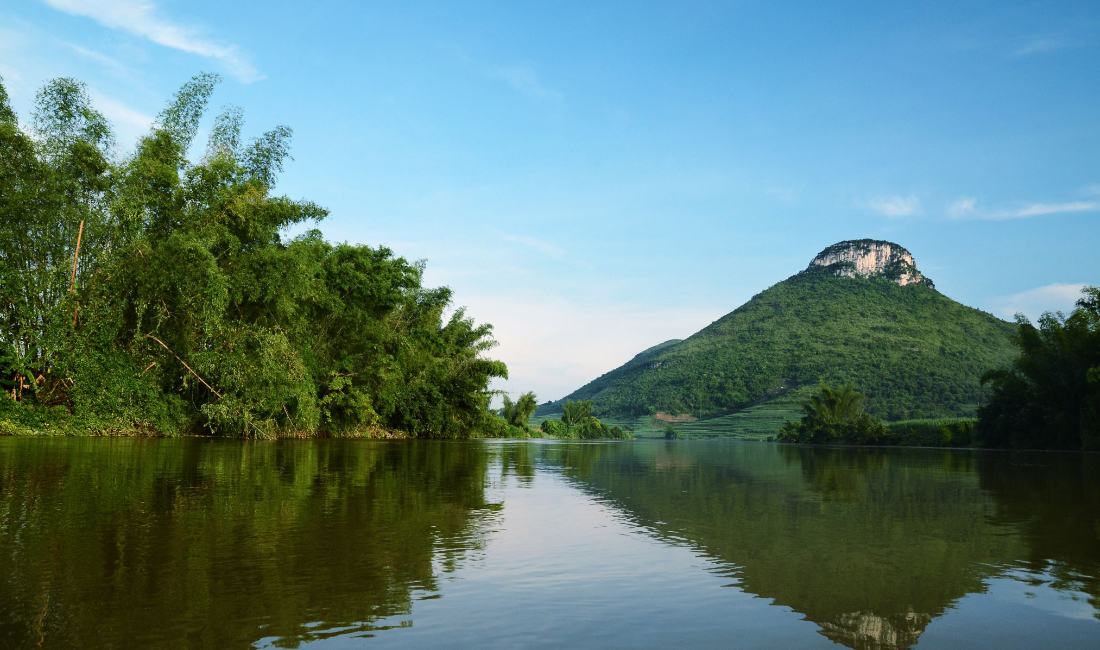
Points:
189	309
1050	396
834	415
53	188
518	413
576	411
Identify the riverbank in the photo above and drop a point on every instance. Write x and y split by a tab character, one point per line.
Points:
29	420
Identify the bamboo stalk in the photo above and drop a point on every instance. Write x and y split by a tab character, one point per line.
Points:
150	336
76	255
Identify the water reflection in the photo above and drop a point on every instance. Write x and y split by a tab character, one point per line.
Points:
871	545
190	543
185	543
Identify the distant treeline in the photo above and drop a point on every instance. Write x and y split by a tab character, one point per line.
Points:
150	293
576	422
1049	398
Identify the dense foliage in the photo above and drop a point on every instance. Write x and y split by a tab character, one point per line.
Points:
940	432
188	310
911	350
513	418
835	415
1050	397
577	421
519	412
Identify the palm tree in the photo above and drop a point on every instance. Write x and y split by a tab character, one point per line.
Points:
834	405
519	412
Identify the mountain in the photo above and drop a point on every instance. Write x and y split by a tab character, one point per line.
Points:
861	312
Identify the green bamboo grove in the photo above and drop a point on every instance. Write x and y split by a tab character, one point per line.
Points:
149	293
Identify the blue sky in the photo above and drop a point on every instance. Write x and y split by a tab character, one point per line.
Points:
597	177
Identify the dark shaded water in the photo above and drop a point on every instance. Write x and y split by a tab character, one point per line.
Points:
336	544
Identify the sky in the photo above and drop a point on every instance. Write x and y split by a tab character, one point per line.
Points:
594	178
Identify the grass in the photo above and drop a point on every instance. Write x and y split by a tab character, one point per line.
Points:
764	421
757	422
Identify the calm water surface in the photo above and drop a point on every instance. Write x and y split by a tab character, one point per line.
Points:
348	544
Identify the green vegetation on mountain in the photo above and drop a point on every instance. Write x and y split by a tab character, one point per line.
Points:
911	350
1050	397
155	294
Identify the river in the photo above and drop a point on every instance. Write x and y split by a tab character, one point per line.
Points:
191	543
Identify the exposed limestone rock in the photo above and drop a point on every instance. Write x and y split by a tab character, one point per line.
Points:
868	631
869	258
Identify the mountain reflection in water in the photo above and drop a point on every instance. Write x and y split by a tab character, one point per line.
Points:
869	544
210	543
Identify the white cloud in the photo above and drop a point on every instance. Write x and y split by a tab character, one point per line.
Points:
98	57
967	208
1042	209
1093	189
895	206
963	208
1033	302
140	18
523	79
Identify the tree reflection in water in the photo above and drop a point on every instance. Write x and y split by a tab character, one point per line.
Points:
192	543
184	543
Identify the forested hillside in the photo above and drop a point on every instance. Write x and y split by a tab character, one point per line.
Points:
150	293
910	349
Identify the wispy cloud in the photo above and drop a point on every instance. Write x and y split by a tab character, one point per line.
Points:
546	247
968	208
1093	189
141	18
129	123
1043	45
100	58
524	80
1033	302
894	206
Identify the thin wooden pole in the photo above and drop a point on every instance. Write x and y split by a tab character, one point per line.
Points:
150	336
76	255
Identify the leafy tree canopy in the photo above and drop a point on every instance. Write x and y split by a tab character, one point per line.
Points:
835	415
1050	396
189	310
